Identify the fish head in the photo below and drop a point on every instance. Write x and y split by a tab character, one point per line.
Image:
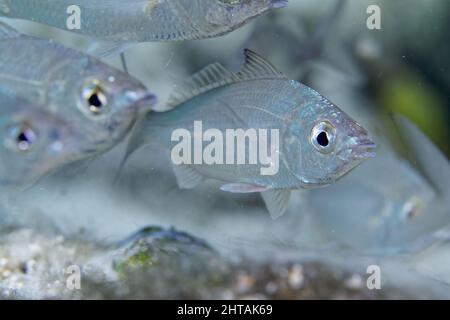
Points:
108	102
329	143
235	13
33	143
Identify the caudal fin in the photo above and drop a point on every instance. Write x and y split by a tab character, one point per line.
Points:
424	155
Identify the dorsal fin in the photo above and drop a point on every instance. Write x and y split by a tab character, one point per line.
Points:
216	75
8	32
211	77
256	67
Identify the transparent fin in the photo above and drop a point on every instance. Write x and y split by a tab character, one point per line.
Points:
242	188
424	154
107	49
6	31
187	177
215	76
277	202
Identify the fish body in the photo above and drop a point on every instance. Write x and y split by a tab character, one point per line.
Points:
143	20
33	142
261	98
102	102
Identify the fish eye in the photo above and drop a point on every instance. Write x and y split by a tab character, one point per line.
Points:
21	137
323	136
411	208
94	96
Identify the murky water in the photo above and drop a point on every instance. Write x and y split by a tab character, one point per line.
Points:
391	212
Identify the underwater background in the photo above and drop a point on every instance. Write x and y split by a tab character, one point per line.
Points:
143	237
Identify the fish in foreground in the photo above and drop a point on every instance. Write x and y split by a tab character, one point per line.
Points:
101	102
33	142
319	143
403	203
119	22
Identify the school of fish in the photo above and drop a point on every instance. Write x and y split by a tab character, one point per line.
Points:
61	106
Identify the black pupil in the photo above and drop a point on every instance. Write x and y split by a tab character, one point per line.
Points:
22	137
322	139
95	101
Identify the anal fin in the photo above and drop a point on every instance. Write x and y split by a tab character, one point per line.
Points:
187	177
277	202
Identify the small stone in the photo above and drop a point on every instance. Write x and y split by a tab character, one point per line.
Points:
271	287
296	277
3	262
355	282
245	282
6	273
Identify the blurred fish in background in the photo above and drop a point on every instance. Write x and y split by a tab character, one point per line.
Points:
103	103
392	211
34	142
142	21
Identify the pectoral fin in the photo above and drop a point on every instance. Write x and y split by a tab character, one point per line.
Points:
107	49
187	177
6	31
277	202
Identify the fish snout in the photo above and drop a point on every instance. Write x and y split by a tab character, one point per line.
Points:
276	4
359	143
363	148
145	103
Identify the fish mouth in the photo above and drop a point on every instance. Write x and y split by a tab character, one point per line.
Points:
277	4
145	103
364	149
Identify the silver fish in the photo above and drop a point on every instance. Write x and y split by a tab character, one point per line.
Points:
102	102
319	143
143	20
33	142
393	205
